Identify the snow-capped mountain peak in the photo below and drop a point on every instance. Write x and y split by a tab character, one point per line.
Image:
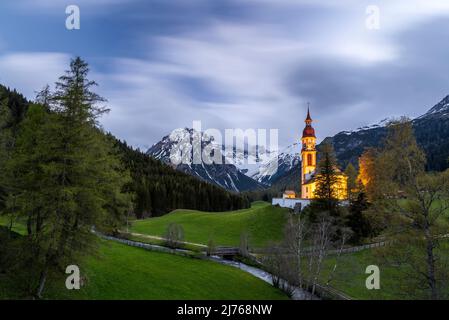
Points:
440	109
184	150
382	123
288	158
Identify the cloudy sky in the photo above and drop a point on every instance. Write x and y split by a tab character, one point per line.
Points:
236	63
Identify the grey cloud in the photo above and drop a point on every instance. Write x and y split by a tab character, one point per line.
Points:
328	83
255	64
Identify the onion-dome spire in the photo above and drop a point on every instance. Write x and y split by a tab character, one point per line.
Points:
308	130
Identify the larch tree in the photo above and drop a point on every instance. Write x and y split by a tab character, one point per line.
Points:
370	173
351	173
402	154
71	179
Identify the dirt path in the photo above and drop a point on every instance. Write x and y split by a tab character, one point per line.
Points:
164	239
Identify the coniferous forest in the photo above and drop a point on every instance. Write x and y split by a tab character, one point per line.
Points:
159	188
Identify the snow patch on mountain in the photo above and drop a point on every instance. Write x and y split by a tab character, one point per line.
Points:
279	165
380	124
441	109
185	149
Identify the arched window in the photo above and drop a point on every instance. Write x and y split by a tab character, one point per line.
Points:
309	159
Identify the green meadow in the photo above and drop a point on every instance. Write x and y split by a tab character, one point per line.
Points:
262	223
122	272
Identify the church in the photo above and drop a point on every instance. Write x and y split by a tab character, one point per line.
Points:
309	172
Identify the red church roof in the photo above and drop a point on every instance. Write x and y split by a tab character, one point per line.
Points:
308	131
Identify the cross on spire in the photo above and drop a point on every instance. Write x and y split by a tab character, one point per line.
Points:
309	118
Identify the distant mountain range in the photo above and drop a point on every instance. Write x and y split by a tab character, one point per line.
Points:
242	171
224	174
431	130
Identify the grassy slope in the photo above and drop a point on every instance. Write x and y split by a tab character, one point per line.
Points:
131	273
350	275
262	222
122	272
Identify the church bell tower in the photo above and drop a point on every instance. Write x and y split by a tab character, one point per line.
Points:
308	157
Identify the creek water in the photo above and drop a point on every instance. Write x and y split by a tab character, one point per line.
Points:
298	294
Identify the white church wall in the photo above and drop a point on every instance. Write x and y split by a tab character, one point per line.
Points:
289	203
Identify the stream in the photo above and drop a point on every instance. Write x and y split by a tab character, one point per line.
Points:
299	294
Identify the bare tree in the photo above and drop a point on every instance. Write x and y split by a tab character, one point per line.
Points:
299	259
322	232
345	235
294	235
282	268
244	244
210	247
284	260
174	236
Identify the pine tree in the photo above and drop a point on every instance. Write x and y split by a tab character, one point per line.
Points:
357	221
326	192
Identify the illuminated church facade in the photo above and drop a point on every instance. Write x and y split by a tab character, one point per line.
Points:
309	173
309	165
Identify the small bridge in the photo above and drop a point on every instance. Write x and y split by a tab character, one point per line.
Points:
226	252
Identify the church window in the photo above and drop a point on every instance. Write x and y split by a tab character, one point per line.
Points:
309	159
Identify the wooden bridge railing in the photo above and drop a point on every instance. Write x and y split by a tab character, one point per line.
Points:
226	251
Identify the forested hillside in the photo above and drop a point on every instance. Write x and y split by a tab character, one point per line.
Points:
15	101
160	189
17	105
